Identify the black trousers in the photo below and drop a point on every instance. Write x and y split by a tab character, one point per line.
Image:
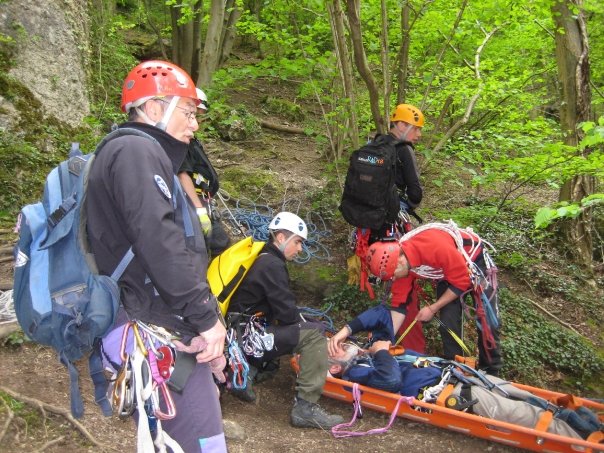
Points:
451	316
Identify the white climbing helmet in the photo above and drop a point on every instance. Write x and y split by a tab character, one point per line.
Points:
290	222
203	100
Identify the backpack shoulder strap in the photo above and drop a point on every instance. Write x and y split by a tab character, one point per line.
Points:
122	132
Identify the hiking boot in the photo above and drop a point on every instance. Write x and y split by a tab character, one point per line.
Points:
268	371
305	414
247	393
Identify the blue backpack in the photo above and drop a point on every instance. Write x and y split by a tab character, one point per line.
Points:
60	298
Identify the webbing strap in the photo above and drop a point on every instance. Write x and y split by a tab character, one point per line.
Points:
123	264
101	385
186	214
568	401
595	437
77	404
338	432
544	421
361	250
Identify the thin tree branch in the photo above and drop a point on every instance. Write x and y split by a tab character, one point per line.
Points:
442	52
458	125
547	312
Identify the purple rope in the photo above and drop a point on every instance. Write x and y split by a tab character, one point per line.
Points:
338	431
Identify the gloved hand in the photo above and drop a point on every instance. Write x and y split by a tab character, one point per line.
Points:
204	218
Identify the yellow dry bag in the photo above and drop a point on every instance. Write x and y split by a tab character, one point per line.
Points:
227	270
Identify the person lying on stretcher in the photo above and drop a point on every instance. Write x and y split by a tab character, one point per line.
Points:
412	374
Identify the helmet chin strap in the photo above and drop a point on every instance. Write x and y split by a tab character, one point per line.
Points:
163	124
282	246
406	131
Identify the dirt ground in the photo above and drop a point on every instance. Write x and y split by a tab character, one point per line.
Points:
33	371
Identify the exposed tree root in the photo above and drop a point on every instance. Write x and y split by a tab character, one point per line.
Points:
9	419
50	443
45	407
281	128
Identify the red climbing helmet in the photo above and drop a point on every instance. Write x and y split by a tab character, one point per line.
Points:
156	78
382	258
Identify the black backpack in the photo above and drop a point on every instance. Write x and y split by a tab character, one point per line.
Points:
370	196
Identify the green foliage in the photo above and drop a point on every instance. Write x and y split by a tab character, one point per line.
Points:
546	215
111	59
590	164
232	123
326	199
244	185
8	47
283	107
532	344
22	171
15	339
348	301
31	417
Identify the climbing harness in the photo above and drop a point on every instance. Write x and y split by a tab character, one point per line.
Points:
140	383
486	316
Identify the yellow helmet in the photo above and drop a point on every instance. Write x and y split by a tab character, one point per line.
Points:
409	114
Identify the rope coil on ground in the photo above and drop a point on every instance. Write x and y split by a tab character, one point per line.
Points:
252	219
7	308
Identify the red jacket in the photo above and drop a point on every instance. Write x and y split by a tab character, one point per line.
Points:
437	249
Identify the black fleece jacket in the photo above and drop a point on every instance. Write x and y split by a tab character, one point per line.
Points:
131	191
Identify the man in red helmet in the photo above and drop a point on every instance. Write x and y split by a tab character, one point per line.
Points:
134	201
457	260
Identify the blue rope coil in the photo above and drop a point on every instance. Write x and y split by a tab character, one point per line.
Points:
318	315
255	218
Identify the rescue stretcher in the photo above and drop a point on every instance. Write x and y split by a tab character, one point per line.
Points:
473	425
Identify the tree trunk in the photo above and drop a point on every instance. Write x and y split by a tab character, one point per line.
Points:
572	56
403	56
360	59
344	64
385	64
185	39
229	31
212	50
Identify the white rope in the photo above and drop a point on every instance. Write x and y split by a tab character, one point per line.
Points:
7	308
455	232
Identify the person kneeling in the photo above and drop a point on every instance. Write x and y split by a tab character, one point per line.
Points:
265	289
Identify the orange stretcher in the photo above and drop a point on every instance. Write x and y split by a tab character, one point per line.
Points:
474	425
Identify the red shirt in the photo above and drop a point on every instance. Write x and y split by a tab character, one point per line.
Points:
437	249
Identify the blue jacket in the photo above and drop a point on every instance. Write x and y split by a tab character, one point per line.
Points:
383	371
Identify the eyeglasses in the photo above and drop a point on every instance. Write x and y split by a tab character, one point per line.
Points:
190	114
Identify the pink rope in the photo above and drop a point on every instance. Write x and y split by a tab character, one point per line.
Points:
338	431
